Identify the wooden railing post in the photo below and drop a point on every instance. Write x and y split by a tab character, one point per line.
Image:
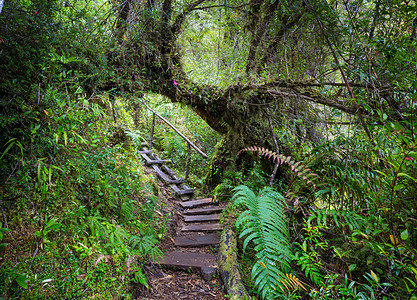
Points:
187	166
152	130
175	129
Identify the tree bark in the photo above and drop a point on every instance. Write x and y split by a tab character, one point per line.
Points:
262	28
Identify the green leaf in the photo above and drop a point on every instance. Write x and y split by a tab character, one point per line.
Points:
399	187
404	235
22	280
8	147
265	224
382	173
2	246
406	175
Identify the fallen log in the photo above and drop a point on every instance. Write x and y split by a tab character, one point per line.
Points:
229	267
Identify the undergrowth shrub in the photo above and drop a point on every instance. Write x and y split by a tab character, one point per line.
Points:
345	243
77	197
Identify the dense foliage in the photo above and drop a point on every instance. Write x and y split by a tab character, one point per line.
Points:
328	86
76	206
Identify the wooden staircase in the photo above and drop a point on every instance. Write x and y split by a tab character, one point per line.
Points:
199	226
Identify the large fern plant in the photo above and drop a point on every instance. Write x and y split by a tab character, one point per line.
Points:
264	223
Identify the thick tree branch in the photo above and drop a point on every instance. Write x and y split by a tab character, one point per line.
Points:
179	20
167	37
263	26
320	100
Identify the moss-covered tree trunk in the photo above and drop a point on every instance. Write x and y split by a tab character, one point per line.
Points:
152	57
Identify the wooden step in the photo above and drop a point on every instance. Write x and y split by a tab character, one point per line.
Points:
196	203
196	239
202	218
165	177
149	161
188	260
167	170
202	227
204	211
181	192
145	151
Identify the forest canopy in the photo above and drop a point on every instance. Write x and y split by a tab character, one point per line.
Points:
324	90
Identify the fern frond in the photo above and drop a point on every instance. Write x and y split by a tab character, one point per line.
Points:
146	246
340	218
297	167
291	283
264	223
136	137
96	226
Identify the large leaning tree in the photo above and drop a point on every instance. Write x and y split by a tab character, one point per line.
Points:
297	55
277	60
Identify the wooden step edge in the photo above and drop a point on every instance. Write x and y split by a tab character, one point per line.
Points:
165	177
145	151
195	240
168	170
188	260
197	203
204	210
202	227
181	192
159	162
150	161
202	218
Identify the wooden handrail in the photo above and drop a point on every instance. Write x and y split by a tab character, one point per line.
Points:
176	130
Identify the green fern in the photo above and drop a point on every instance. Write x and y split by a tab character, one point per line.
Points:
292	283
117	237
126	210
265	225
146	246
96	227
340	218
136	137
299	169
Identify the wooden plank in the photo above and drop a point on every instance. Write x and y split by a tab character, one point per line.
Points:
165	177
145	152
169	171
196	203
202	227
204	211
197	240
186	187
188	260
180	192
202	218
149	161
